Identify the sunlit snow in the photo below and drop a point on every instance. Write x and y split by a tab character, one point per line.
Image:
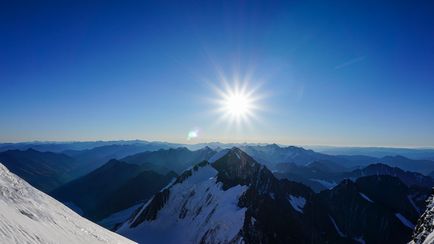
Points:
30	216
197	208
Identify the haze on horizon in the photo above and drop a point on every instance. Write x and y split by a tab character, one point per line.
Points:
345	74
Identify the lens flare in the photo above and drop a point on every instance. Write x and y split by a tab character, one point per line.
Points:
192	134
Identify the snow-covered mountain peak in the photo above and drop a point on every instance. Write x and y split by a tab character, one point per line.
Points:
234	199
197	199
30	216
238	168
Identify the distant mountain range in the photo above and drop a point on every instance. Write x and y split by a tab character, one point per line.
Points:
271	155
111	188
177	159
78	146
378	152
321	175
58	168
48	171
95	157
44	170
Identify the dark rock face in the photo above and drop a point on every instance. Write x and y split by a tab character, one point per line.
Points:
368	209
150	212
391	192
353	211
236	168
270	216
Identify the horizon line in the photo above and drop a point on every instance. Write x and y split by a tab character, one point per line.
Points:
221	142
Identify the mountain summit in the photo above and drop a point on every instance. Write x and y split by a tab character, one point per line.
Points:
236	168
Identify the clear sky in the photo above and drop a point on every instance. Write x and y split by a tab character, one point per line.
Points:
327	72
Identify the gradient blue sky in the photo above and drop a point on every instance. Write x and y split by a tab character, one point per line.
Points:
333	72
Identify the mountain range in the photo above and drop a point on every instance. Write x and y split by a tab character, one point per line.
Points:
44	170
232	198
325	175
113	187
174	159
378	152
251	194
97	156
59	147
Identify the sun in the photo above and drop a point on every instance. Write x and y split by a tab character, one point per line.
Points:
237	103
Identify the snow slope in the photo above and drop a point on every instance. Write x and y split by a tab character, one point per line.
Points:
28	215
198	203
118	217
429	239
424	231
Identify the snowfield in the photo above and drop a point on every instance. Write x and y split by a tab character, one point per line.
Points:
198	210
28	215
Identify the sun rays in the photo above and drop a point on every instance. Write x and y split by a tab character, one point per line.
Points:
237	103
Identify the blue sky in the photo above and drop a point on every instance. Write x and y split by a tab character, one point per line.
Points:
330	73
